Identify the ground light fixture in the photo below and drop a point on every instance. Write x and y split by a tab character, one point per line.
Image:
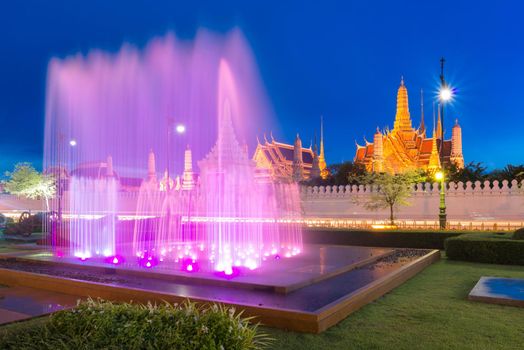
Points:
442	216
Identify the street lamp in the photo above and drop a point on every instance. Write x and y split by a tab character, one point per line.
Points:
445	94
439	176
180	129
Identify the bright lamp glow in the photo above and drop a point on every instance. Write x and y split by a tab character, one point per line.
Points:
439	175
445	94
180	128
72	143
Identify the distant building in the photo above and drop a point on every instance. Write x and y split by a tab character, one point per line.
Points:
101	170
283	162
406	148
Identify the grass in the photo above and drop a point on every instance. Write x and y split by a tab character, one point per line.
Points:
428	312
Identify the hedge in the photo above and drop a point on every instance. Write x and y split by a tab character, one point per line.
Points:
489	250
519	234
98	324
423	239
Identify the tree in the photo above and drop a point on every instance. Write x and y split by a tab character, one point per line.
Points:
27	182
471	172
389	190
339	174
509	172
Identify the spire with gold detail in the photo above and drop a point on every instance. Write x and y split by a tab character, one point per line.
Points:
298	163
422	127
378	152
321	158
439	125
402	118
434	158
456	146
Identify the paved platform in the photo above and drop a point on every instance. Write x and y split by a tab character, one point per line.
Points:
20	303
315	264
312	308
498	290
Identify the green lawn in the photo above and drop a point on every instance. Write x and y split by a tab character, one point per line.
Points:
428	312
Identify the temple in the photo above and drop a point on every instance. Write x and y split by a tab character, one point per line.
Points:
407	148
281	162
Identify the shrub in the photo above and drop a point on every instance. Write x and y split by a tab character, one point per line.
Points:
422	239
489	250
98	324
519	234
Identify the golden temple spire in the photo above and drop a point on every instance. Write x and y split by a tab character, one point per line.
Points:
402	117
439	124
422	127
321	157
434	158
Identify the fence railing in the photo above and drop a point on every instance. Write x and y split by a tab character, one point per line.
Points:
462	225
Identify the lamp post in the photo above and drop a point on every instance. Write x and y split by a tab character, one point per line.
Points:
180	129
57	225
445	95
442	216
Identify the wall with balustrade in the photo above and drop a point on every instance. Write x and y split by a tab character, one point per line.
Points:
487	201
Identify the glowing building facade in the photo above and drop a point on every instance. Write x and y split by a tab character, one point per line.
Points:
281	162
408	148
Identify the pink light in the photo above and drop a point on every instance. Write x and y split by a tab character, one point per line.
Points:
148	264
228	273
115	259
190	265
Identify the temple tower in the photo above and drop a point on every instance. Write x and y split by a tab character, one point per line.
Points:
378	152
422	127
402	117
151	167
434	158
439	124
298	164
321	158
315	165
456	146
188	182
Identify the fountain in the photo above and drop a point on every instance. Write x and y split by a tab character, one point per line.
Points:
138	109
146	223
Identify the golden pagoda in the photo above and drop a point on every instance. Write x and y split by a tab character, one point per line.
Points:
406	148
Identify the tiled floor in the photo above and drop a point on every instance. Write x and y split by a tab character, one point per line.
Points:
18	303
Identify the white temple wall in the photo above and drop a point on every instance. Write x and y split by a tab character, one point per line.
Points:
472	202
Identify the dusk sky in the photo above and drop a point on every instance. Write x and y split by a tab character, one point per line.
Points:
342	60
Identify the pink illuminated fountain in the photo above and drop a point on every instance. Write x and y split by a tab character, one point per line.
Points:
147	110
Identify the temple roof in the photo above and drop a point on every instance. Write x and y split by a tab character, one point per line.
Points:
402	117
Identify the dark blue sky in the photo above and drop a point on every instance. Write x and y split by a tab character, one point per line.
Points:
341	59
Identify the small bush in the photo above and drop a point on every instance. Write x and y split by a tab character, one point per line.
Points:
98	324
519	234
422	239
489	250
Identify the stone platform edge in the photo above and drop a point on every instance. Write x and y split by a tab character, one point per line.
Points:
300	321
